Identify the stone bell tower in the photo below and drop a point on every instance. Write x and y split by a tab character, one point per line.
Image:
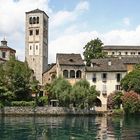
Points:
36	42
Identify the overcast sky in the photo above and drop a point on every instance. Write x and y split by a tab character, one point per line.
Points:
72	23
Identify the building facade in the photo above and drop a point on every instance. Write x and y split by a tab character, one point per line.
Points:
36	42
107	73
123	51
5	51
70	66
50	74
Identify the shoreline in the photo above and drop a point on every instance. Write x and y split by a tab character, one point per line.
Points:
49	111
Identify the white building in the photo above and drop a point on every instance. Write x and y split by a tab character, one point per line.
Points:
107	73
125	51
5	51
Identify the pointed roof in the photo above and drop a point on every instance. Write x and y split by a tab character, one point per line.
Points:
37	11
4	45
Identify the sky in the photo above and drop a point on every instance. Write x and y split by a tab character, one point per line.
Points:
73	23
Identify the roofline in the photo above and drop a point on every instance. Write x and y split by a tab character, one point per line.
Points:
8	48
106	71
71	64
40	11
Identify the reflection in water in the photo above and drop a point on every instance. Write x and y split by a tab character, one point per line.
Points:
69	128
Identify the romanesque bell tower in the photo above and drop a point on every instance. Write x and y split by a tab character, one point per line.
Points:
36	42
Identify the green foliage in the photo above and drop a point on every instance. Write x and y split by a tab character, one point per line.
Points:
83	95
22	103
118	112
15	77
42	101
60	89
131	82
114	100
131	102
92	50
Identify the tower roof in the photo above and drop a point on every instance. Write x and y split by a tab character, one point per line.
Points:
37	11
4	45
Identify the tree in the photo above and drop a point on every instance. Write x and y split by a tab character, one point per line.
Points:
93	50
60	89
79	92
131	102
83	95
114	100
131	82
15	80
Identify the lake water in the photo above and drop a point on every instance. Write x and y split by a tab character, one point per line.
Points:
70	128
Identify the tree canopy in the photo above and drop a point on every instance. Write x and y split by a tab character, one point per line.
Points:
80	95
93	50
15	78
131	82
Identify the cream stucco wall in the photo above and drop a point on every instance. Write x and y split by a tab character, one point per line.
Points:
110	83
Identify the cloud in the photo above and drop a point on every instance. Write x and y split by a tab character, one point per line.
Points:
82	6
12	23
74	43
62	17
126	21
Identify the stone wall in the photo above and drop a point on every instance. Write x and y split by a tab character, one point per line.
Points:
45	111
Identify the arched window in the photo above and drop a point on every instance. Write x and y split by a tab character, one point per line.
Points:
78	74
34	20
37	20
30	20
65	73
72	74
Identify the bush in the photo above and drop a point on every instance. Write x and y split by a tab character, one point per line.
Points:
1	105
22	103
131	102
42	101
114	100
118	112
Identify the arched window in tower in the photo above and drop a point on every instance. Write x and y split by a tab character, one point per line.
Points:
37	31
34	20
72	74
65	73
78	74
36	47
30	20
37	20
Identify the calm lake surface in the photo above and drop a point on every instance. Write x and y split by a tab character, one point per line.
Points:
70	128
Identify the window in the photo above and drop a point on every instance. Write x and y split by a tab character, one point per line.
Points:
30	47
78	74
132	53
126	53
118	88
34	20
94	78
72	74
104	77
3	54
30	20
37	32
104	90
37	20
30	32
113	53
118	77
119	53
65	73
36	47
139	53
